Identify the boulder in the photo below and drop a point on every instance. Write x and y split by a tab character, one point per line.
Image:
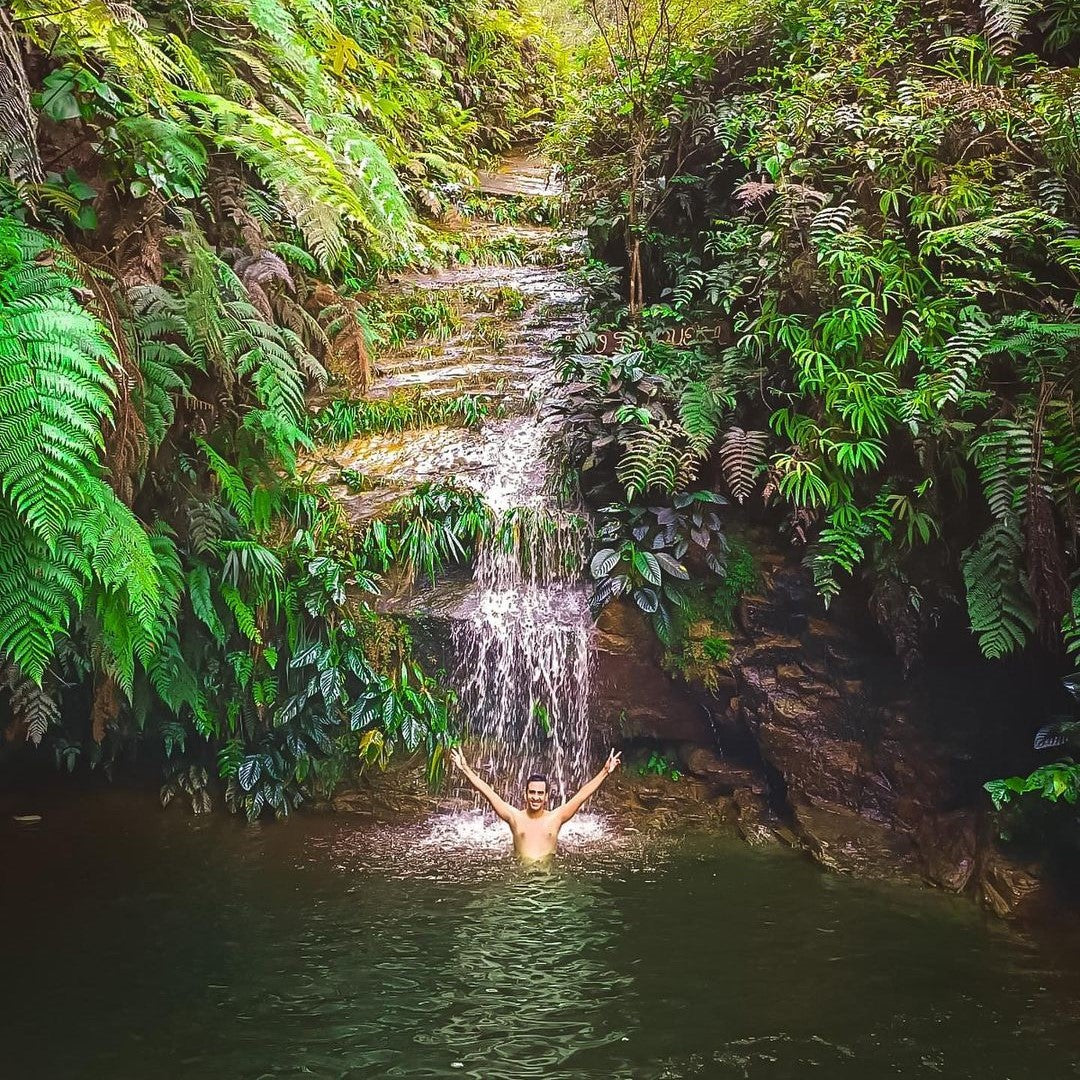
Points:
877	774
722	775
1010	889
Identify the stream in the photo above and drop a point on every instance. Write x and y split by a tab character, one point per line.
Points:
519	629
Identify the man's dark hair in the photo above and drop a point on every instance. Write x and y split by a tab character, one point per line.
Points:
537	778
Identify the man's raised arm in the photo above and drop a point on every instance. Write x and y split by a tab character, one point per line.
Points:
499	805
570	808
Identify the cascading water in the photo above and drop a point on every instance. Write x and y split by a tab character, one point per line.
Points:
520	631
522	648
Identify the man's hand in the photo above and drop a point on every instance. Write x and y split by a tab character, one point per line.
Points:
498	804
572	806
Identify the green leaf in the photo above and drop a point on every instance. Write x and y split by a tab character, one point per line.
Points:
603	562
202	602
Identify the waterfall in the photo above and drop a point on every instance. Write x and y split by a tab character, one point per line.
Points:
521	648
520	630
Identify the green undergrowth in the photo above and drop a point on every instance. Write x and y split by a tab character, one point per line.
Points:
656	764
344	419
835	275
434	526
470	247
398	318
511	209
395	319
193	201
700	645
843	283
499	298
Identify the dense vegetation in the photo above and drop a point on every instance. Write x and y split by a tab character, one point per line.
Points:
193	201
837	272
836	262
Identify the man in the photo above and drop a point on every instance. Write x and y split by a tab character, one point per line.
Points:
536	828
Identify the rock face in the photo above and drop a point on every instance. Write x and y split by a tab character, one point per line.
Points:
632	697
818	739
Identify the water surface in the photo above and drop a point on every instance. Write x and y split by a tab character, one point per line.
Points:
146	944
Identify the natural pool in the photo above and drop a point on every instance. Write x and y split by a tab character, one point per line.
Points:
142	944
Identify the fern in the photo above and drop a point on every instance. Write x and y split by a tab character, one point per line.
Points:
831	221
56	382
117	34
32	707
135	596
321	188
178	157
1003	457
161	364
963	351
245	617
233	486
18	123
992	234
653	461
1006	21
65	538
742	458
999	607
202	602
699	414
225	332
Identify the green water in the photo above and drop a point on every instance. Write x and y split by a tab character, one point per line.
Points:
143	944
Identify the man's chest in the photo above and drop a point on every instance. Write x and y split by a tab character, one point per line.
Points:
535	828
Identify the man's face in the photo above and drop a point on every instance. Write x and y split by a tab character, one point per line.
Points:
536	795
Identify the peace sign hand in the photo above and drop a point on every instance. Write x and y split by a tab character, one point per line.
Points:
612	762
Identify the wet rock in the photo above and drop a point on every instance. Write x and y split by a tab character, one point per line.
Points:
1010	889
844	840
876	774
723	776
755	820
786	674
948	846
632	697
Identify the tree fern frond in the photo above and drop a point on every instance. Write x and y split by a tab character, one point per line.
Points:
41	587
32	706
318	184
113	31
1003	456
1006	21
699	414
992	234
742	459
55	384
18	122
245	617
233	486
652	460
999	606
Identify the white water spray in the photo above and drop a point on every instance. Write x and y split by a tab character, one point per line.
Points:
521	649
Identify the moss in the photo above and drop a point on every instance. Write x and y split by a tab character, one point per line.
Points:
700	641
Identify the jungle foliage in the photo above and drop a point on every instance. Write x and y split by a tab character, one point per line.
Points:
192	202
837	272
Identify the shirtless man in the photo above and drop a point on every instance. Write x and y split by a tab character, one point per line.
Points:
536	828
